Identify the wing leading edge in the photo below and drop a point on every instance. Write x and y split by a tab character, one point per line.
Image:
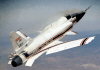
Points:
69	45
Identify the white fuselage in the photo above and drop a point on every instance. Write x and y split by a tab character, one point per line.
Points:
51	33
28	50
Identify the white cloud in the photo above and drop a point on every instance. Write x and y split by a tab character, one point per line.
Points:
90	66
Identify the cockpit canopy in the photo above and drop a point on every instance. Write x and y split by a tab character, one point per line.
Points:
78	15
68	16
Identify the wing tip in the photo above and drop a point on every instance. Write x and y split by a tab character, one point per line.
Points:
90	39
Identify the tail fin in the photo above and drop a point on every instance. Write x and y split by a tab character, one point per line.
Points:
18	39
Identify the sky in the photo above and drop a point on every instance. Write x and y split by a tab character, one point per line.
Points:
34	15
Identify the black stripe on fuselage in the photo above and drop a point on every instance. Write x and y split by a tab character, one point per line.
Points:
62	33
51	40
84	41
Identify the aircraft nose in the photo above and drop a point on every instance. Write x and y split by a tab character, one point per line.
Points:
16	61
78	15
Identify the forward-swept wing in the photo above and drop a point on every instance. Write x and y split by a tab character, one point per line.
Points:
58	46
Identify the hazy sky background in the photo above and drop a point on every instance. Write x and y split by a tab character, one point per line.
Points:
35	15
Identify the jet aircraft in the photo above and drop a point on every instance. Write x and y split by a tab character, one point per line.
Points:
27	50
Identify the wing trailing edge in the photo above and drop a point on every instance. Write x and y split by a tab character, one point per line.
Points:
32	59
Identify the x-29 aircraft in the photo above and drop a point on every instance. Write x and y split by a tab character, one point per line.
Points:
27	50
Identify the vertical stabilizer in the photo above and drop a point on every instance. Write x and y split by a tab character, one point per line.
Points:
18	39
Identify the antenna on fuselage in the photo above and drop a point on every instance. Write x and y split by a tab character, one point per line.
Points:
19	29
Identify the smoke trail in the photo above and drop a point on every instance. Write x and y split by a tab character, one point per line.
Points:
65	12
